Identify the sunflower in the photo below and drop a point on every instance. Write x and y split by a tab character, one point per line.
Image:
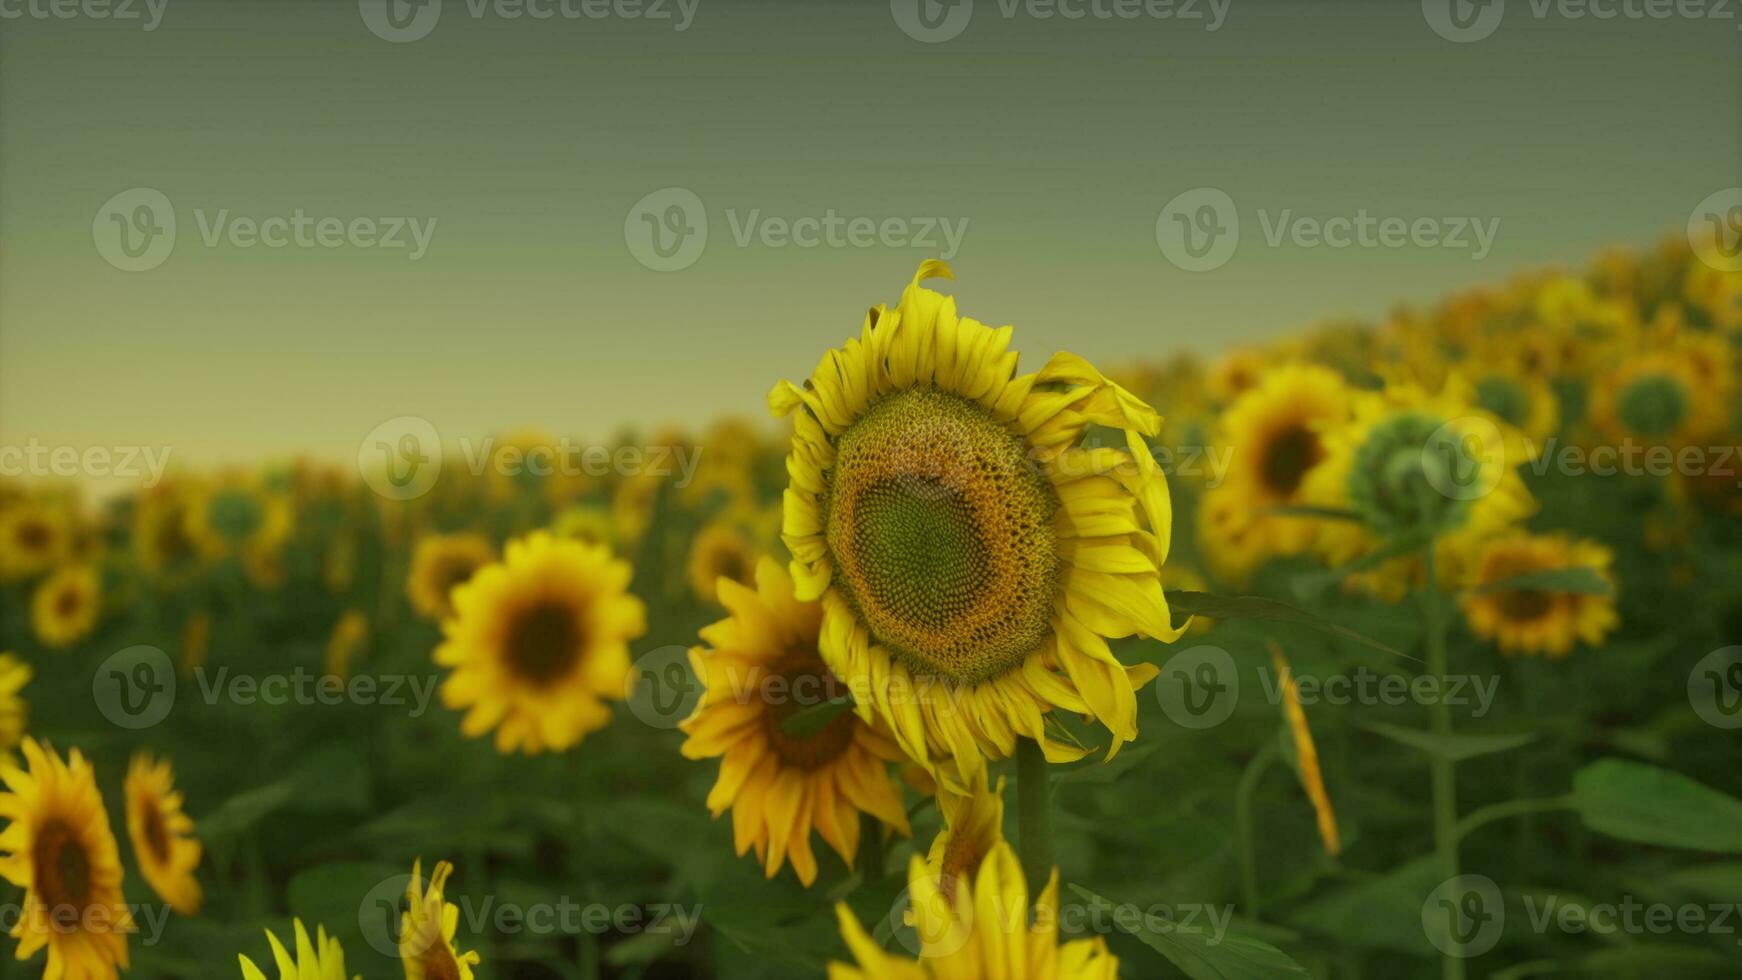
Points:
520	462
321	959
238	515
1538	621
633	503
985	929
1234	373
973	827
538	641
161	540
14	710
64	607
1522	401
1664	397
584	523
440	563
760	666
719	551
162	835
1276	432
58	847
1228	538
349	636
972	555
34	537
426	932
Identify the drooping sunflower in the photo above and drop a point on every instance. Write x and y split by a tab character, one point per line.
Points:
539	642
14	710
1275	433
58	847
64	607
320	959
439	564
759	667
162	835
973	828
1306	753
986	929
719	551
1538	620
34	537
1661	397
426	932
972	553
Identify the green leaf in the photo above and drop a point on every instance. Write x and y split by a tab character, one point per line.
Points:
813	718
1206	956
1642	803
1454	747
1579	581
1382	911
1266	610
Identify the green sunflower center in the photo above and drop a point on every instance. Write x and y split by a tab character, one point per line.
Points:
1404	472
1505	398
1289	454
543	642
940	527
1653	406
62	868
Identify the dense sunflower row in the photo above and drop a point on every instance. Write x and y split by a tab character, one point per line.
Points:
936	571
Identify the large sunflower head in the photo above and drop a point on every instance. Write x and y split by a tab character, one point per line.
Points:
759	668
318	959
59	849
426	934
14	711
64	607
539	642
162	835
441	563
1538	620
985	929
972	547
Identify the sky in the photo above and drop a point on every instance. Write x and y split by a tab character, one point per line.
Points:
463	212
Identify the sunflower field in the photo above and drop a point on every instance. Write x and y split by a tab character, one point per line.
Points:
1391	649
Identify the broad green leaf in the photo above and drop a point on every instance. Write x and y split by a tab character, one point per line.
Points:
1454	747
1382	911
1204	956
1581	581
1648	805
1266	610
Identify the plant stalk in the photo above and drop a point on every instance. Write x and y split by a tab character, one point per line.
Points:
1034	814
1445	789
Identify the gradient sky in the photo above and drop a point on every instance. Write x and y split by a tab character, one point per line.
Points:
529	142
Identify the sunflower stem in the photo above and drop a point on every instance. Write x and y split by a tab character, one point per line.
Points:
871	848
1034	813
1261	762
1445	790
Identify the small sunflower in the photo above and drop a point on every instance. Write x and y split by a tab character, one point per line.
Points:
973	828
34	537
426	932
1538	621
584	523
238	516
160	532
162	835
1660	397
719	551
538	643
64	608
972	552
58	847
760	666
1276	432
986	929
1228	537
1235	373
1526	403
14	710
320	959
440	564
